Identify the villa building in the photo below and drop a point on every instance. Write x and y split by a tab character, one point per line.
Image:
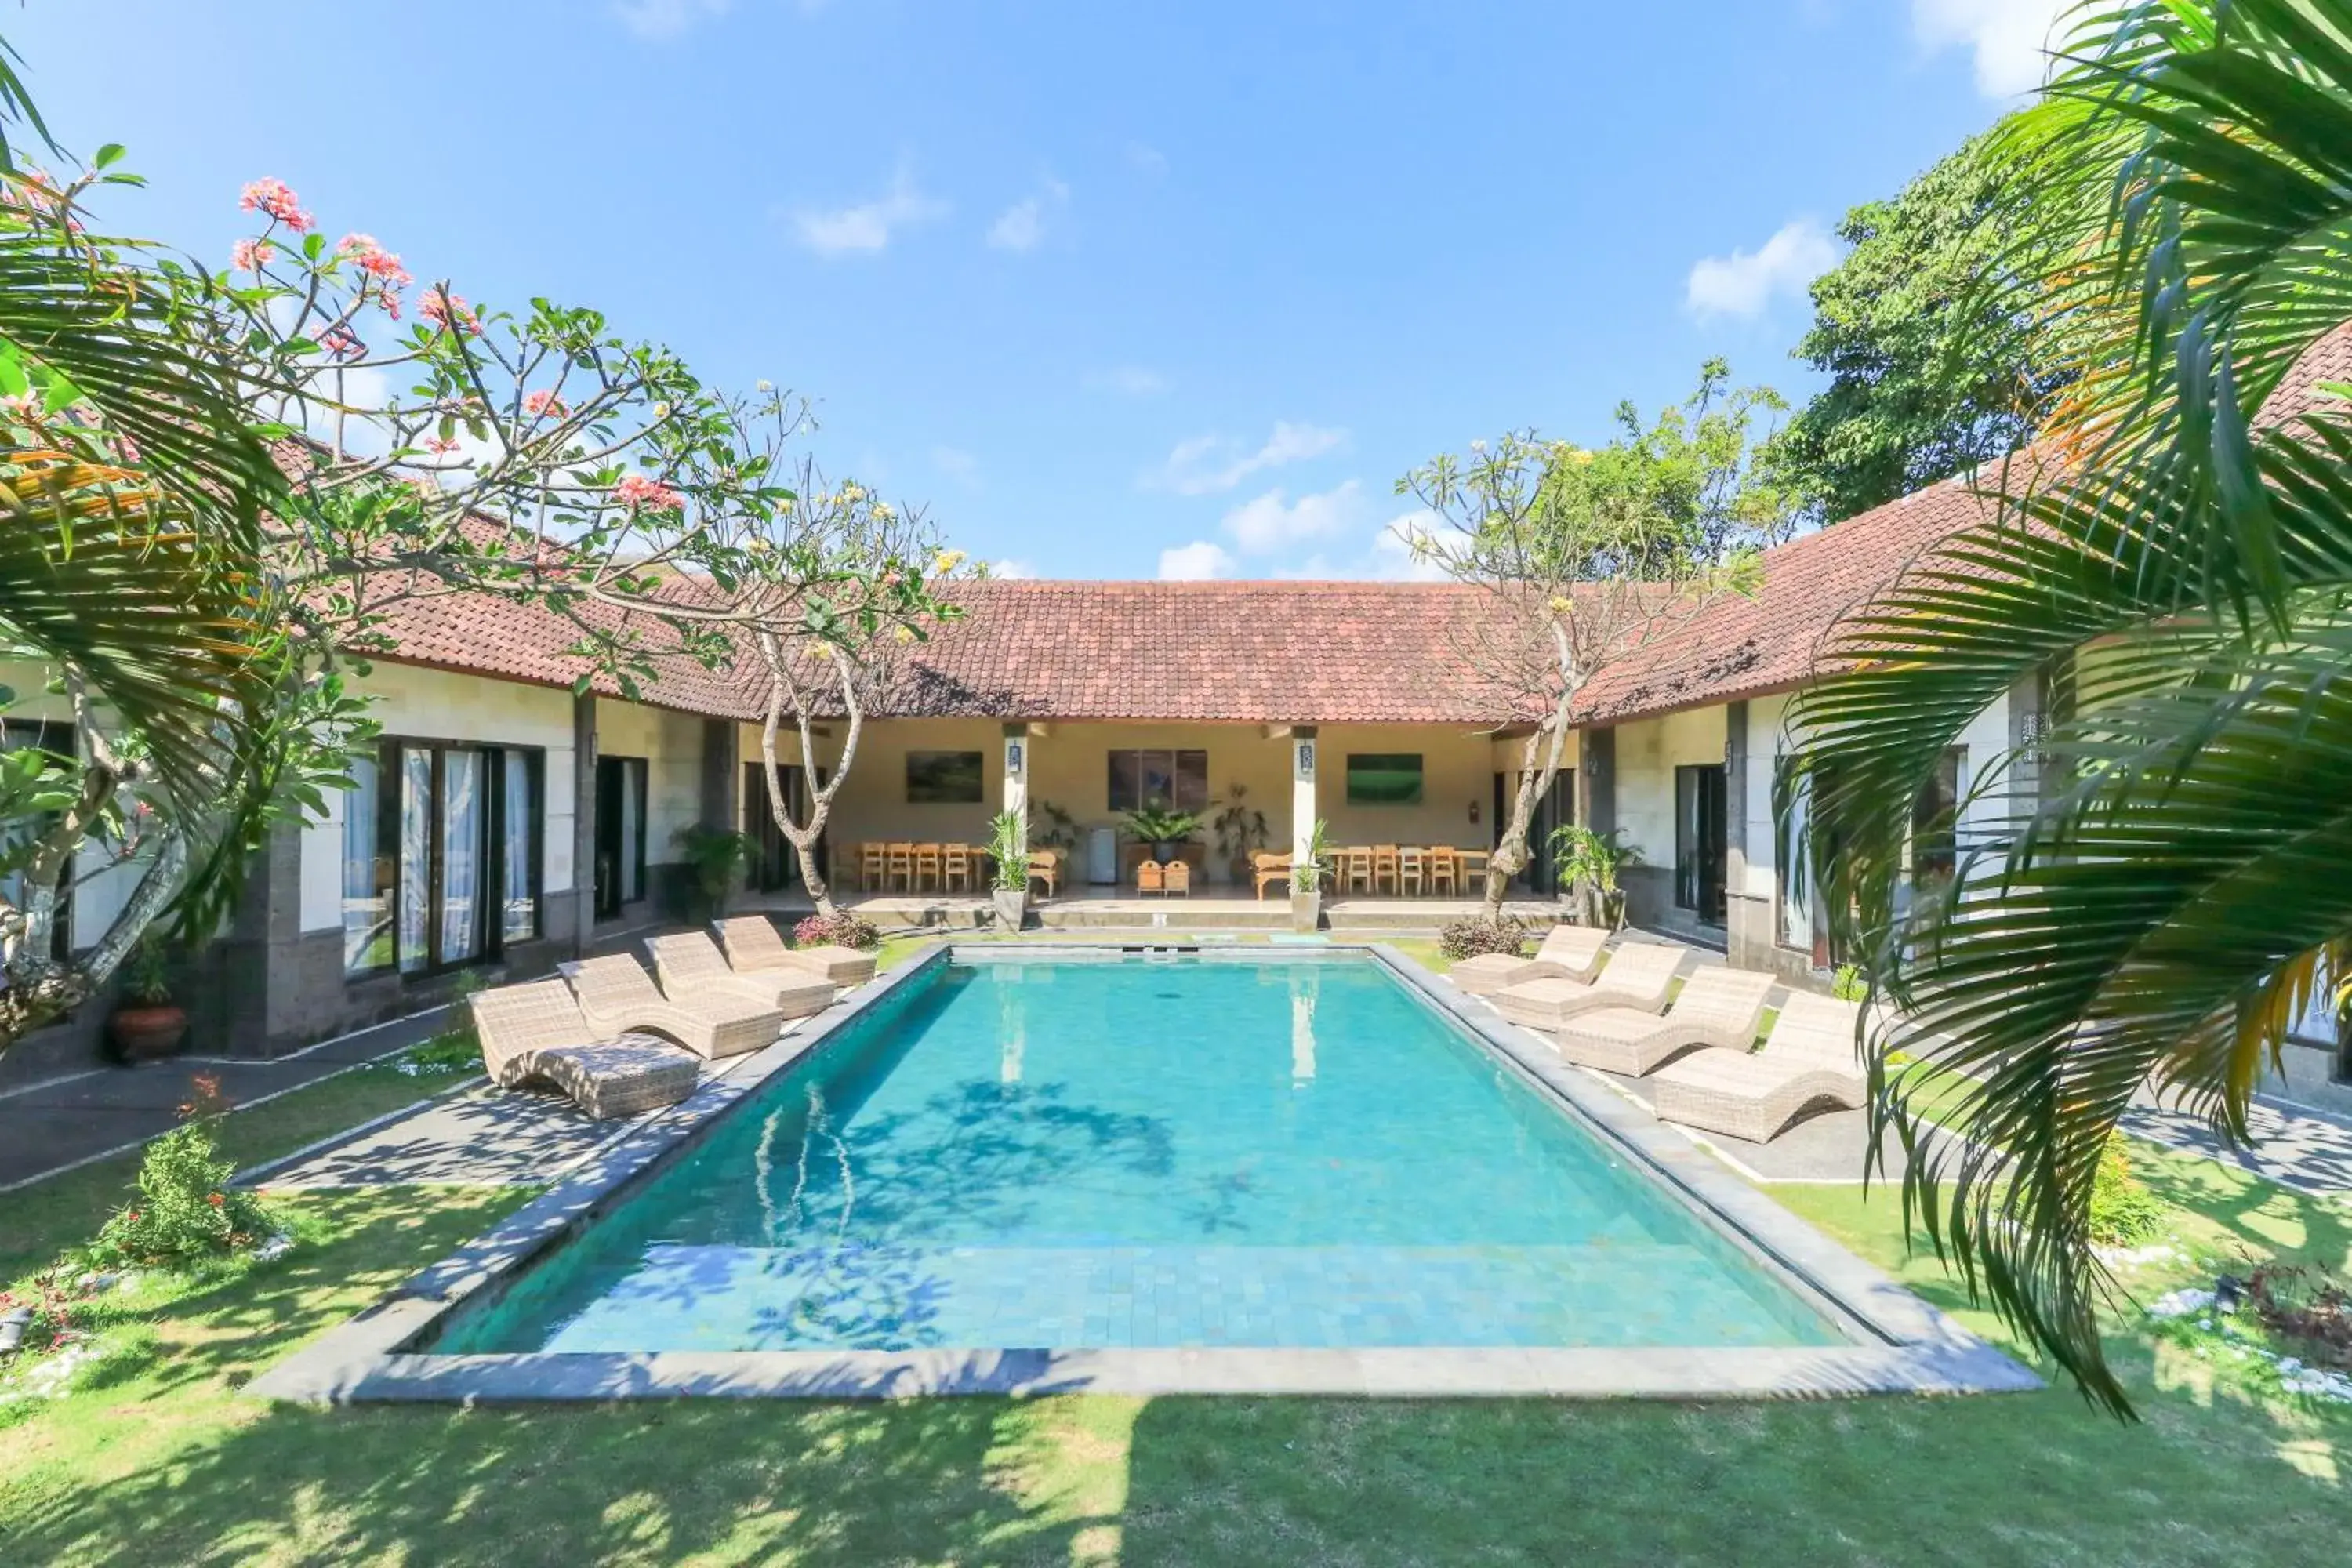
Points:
507	823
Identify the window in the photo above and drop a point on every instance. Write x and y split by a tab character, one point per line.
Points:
620	833
942	778
1162	781
1383	778
441	856
1934	821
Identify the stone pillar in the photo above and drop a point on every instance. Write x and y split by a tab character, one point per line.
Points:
1747	917
1303	748
583	821
1016	776
1596	780
723	776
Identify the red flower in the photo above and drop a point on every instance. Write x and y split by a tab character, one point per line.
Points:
216	1200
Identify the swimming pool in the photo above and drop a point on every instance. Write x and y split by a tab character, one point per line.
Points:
1116	1152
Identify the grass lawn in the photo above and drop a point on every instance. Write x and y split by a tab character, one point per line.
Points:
156	1458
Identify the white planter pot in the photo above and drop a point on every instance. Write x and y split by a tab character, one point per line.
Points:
1012	909
1306	912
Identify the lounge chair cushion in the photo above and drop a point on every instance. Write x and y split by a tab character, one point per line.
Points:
626	1077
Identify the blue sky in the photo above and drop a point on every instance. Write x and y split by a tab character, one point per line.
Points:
1117	289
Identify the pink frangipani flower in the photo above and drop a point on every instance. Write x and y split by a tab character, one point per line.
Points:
247	254
648	495
446	311
269	195
374	259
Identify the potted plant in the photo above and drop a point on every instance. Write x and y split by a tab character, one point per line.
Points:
718	857
1240	829
1306	881
1162	829
1051	827
1008	847
1590	862
147	1023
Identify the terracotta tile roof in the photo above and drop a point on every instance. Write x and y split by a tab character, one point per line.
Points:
1284	652
1293	652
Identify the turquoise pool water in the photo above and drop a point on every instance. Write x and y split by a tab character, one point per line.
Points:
1145	1152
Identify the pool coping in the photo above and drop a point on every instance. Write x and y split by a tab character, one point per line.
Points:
1920	1351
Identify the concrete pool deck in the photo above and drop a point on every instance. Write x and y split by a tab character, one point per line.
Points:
1897	1344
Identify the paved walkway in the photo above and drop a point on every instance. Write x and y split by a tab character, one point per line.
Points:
2308	1150
54	1126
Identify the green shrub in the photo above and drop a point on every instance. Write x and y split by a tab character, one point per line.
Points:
1849	985
2124	1212
1475	934
185	1211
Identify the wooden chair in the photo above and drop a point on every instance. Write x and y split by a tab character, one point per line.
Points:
1046	866
1149	878
900	867
1444	870
928	858
1384	866
1266	866
870	861
1412	862
1355	870
1179	877
955	866
1471	865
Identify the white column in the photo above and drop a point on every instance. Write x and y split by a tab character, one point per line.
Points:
1016	776
1303	747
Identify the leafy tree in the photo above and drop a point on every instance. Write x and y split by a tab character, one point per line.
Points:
201	597
1589	555
1932	363
2166	895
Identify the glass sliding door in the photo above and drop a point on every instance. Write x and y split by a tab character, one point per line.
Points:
463	828
441	856
1701	844
367	875
620	833
415	888
518	856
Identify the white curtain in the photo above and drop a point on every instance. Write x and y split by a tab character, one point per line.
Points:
461	856
521	878
367	903
415	855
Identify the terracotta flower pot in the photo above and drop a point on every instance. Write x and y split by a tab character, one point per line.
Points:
143	1034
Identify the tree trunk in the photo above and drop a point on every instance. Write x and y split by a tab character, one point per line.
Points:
804	835
1538	765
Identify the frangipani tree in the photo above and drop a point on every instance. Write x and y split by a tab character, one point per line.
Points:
1586	556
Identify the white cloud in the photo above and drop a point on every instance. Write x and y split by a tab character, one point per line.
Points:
666	18
958	465
1207	463
1201	559
2009	38
1149	162
867	225
1392	556
1745	283
1270	523
1011	569
1021	226
1129	381
1387	558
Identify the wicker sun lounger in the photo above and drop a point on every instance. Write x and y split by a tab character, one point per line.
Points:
1638	976
1809	1057
752	944
618	997
535	1033
690	964
1717	1006
1568	952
